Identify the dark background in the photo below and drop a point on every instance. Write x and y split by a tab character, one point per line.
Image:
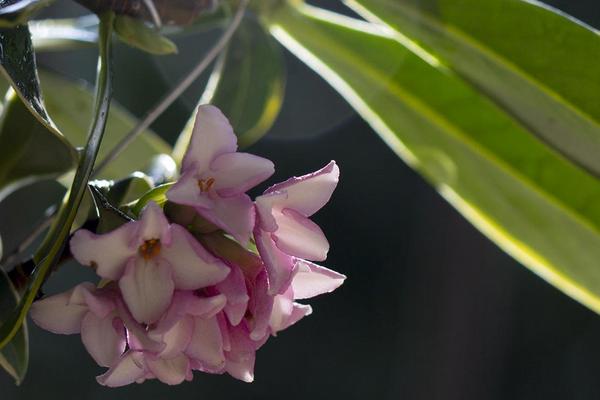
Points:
431	308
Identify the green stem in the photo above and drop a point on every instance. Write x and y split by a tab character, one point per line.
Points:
51	249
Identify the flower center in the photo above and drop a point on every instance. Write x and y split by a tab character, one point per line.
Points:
206	184
150	248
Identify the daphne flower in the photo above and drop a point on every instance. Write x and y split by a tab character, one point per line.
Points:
150	258
284	231
214	178
93	313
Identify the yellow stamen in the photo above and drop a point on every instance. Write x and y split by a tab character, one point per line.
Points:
150	248
206	184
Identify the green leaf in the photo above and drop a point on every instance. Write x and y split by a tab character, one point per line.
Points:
50	251
537	63
537	206
14	357
27	148
70	104
16	12
138	34
157	195
64	34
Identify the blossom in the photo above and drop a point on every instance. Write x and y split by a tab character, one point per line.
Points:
214	177
283	232
150	259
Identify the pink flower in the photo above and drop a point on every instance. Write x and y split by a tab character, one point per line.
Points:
150	258
284	232
93	313
215	178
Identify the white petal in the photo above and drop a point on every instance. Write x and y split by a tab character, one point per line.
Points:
236	173
206	345
193	267
104	338
107	253
60	313
128	369
147	288
172	371
153	224
212	136
298	236
311	280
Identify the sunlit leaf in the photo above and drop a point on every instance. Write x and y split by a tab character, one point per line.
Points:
15	12
138	34
64	34
538	63
537	206
14	357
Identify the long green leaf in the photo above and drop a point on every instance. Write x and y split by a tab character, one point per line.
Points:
51	249
16	12
70	105
537	206
14	357
539	64
27	148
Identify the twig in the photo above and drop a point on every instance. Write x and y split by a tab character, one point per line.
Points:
183	85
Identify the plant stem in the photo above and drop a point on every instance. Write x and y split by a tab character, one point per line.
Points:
170	98
49	253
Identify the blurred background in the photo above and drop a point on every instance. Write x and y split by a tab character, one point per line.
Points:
431	308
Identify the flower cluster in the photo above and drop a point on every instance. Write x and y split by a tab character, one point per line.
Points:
203	282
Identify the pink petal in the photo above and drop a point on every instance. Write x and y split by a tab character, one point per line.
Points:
265	207
212	136
278	264
286	313
147	288
235	215
311	280
241	357
178	338
234	289
299	236
153	224
186	192
261	307
242	368
236	173
193	267
172	371
102	339
137	337
60	313
108	253
127	370
309	193
99	301
206	345
206	307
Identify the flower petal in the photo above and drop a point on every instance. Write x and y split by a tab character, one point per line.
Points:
299	236
242	368
234	289
236	173
206	345
235	215
107	253
177	338
128	369
212	136
153	224
147	288
104	338
311	280
172	371
278	264
60	313
138	338
309	193
261	307
206	307
187	192
241	358
193	267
